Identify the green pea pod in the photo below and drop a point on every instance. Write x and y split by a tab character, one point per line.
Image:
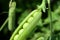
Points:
11	22
28	24
29	27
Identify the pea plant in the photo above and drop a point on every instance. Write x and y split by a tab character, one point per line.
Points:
32	20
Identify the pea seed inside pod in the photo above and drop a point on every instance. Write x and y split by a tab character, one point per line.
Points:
34	15
30	19
25	25
16	37
21	31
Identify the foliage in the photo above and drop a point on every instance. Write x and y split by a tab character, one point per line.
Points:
30	20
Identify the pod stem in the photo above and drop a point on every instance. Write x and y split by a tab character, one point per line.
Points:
42	6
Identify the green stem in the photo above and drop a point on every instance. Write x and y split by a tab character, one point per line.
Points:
4	24
50	16
42	6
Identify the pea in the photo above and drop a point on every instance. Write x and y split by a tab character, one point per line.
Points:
30	19
34	15
25	25
21	31
16	37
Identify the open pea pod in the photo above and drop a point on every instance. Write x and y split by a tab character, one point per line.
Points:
27	25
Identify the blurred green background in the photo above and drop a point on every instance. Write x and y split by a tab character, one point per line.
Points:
23	8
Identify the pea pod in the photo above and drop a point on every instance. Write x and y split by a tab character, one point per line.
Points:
36	14
30	27
11	22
